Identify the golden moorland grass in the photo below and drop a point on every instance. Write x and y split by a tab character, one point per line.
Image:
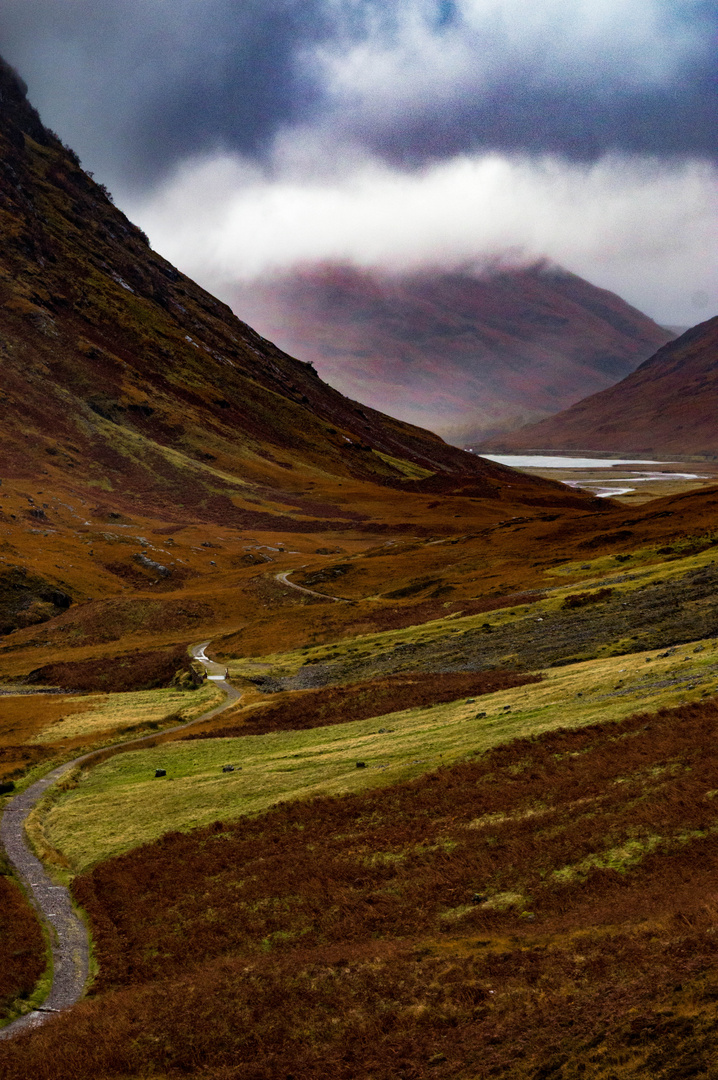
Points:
117	712
600	572
25	717
120	804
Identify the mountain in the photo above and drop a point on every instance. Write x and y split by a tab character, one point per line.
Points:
121	373
470	833
667	406
466	355
131	399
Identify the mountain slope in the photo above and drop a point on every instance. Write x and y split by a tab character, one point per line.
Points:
133	400
517	913
667	406
459	353
122	373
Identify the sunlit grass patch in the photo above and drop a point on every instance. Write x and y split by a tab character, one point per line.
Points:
677	557
120	711
624	579
504	900
120	804
624	857
620	858
408	468
457	914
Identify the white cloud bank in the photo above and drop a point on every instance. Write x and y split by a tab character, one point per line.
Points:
644	229
401	58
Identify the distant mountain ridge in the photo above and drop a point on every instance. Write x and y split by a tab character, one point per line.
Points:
669	405
465	355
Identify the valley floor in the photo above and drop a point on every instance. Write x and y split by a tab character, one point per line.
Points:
467	837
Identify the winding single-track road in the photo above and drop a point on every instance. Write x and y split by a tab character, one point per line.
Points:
283	579
67	932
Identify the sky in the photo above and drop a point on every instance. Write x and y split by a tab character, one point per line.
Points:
250	136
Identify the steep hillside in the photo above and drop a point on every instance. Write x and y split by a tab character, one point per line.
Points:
122	373
134	404
462	354
667	406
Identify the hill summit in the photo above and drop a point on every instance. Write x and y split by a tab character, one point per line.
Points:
466	354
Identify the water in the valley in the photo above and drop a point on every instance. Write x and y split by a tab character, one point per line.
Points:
604	488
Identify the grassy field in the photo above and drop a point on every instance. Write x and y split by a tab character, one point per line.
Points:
36	728
120	804
546	911
118	712
646	567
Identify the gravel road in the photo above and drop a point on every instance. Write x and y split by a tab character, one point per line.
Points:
283	579
68	934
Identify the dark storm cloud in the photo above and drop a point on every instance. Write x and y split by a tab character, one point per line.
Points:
242	84
138	85
579	125
575	79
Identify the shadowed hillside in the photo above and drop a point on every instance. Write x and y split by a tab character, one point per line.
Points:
667	406
464	354
119	372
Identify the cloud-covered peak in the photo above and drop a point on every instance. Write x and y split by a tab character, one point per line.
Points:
640	228
248	137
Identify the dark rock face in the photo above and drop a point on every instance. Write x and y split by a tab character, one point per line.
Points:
26	599
16	113
150	564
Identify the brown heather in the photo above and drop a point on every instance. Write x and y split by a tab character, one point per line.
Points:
15	760
22	958
546	910
143	670
375	697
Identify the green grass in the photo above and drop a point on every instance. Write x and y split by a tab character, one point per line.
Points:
600	573
119	804
408	468
685	557
131	710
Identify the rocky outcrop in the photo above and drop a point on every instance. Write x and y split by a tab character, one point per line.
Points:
26	599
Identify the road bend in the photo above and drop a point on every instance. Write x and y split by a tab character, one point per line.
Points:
67	932
283	579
